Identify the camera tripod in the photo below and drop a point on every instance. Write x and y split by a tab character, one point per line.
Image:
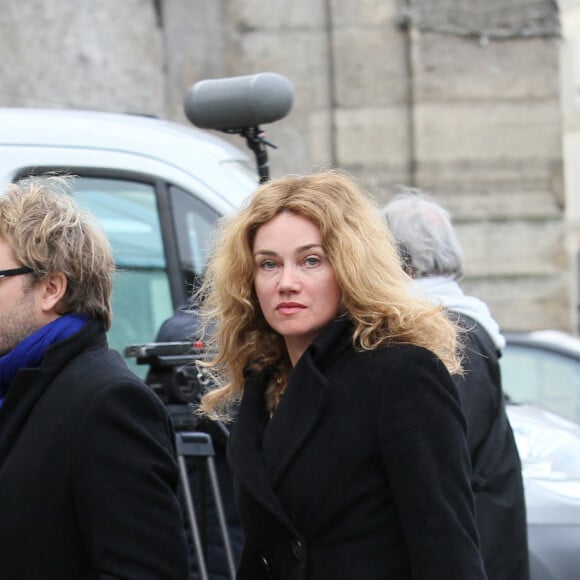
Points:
199	445
178	383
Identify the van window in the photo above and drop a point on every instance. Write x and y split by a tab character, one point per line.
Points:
194	226
142	299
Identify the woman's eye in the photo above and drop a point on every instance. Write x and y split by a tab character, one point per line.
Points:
267	264
312	261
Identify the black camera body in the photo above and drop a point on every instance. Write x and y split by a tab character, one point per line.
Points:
174	377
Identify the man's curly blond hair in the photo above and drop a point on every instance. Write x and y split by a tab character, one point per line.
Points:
48	233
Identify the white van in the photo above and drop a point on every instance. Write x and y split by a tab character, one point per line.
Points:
156	186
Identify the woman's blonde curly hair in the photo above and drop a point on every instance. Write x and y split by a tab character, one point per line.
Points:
376	291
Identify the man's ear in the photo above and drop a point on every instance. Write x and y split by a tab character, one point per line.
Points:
53	290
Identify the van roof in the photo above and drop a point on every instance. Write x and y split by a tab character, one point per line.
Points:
203	156
113	131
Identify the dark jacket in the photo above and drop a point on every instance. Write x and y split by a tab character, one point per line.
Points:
361	473
87	471
497	471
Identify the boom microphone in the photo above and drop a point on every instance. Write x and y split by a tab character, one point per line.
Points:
239	102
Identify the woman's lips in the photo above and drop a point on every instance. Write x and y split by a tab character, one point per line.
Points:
290	307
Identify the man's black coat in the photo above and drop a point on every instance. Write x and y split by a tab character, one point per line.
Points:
362	472
87	471
497	472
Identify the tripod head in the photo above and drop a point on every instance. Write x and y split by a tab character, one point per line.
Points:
174	377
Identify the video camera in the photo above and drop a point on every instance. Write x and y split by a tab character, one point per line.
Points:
174	377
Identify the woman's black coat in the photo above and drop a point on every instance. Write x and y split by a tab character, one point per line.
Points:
87	471
362	472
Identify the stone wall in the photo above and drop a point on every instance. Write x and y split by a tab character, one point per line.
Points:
106	55
488	142
470	117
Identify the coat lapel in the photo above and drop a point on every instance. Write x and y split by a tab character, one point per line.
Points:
245	447
295	418
305	399
30	385
260	450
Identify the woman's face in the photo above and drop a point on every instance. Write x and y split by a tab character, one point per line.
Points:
294	281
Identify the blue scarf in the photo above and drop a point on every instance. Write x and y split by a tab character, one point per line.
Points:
29	352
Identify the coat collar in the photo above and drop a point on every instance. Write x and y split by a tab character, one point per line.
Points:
30	384
261	450
304	400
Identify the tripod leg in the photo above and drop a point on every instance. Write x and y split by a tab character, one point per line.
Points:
221	516
192	519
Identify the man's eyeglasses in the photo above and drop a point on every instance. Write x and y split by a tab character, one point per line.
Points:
15	271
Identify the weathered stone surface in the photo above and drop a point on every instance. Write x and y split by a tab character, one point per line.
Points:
106	55
572	149
525	303
378	64
513	248
497	176
453	68
364	13
503	206
362	138
490	19
474	121
194	48
456	131
253	15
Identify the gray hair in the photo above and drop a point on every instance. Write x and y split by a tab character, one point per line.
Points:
423	230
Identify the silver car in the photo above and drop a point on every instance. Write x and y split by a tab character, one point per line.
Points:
541	377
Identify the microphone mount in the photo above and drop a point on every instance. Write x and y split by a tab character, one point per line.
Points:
257	142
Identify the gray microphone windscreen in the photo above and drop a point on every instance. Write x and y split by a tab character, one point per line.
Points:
239	102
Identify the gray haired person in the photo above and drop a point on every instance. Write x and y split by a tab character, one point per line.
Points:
432	255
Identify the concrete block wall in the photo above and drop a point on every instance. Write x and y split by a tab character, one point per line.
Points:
570	101
104	55
488	133
476	122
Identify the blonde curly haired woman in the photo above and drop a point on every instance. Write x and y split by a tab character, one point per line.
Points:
348	444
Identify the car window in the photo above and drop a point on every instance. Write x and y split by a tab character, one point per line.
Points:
141	290
550	379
